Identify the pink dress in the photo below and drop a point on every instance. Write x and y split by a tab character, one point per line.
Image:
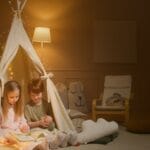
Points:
11	123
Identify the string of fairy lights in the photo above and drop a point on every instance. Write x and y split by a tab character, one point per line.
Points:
3	34
3	37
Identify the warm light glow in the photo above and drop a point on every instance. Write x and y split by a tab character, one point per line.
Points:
42	34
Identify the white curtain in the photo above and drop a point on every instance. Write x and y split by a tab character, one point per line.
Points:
18	37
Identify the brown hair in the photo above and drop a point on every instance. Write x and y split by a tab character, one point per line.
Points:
36	86
11	86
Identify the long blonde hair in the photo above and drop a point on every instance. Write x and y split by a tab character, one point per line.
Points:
19	105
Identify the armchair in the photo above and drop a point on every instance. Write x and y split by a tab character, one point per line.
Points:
113	103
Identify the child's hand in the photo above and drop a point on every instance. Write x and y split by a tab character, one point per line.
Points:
48	119
24	128
43	123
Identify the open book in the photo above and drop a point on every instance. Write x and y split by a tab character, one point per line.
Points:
31	136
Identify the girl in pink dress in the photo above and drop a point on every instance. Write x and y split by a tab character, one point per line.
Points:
13	108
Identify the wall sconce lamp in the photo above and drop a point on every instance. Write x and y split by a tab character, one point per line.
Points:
42	35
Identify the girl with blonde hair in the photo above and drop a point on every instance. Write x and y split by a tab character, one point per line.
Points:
13	108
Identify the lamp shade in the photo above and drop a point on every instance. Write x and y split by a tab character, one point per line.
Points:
42	34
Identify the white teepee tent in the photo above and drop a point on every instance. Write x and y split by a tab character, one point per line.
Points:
18	37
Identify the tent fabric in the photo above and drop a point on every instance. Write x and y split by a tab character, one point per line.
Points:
18	37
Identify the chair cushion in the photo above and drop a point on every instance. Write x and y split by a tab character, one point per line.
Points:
115	108
117	81
117	90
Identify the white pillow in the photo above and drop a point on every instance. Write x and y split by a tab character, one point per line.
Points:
95	130
63	93
76	97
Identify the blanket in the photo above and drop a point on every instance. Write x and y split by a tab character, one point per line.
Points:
11	140
91	131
